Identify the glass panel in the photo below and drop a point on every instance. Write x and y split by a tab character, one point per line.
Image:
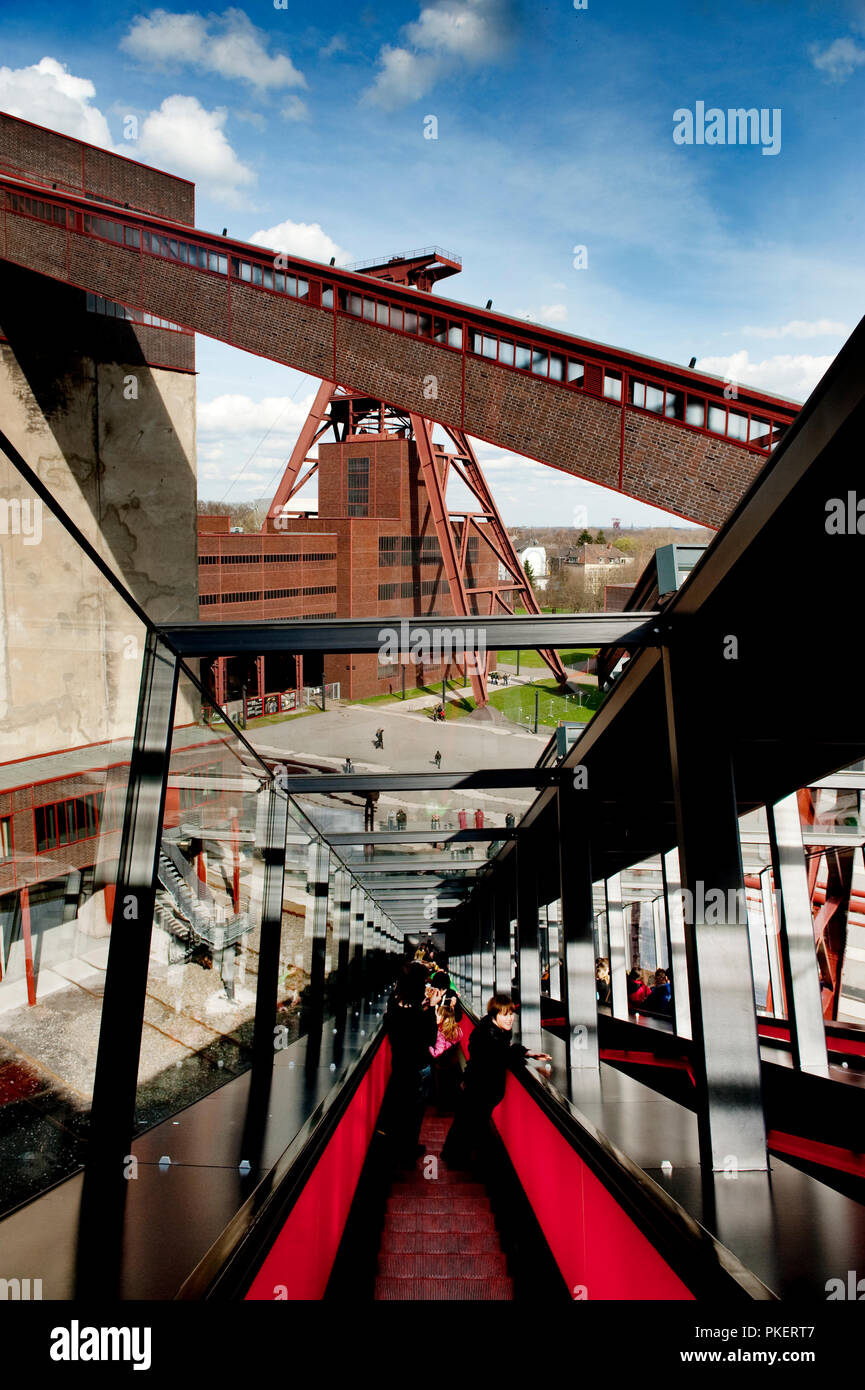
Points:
424	325
576	372
410	321
268	279
506	351
557	367
132	236
455	335
382	312
737	425
70	667
522	356
695	412
759	432
489	346
291	288
279	284
369	309
717	419
674	406
204	948
257	275
655	399
613	385
326	295
302	287
540	362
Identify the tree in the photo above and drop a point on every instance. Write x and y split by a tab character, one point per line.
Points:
584	538
530	574
600	538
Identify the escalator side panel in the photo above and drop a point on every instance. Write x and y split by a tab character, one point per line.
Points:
299	1262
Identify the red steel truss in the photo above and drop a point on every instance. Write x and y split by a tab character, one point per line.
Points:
342	412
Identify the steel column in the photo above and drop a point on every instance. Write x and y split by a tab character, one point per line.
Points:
678	955
275	825
726	1053
773	951
617	937
112	1114
315	926
527	943
578	939
804	1000
342	927
488	946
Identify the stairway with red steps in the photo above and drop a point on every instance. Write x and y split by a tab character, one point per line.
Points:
440	1239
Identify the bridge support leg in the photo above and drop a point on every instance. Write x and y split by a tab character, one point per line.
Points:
275	825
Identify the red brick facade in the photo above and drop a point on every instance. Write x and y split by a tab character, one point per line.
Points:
384	564
76	167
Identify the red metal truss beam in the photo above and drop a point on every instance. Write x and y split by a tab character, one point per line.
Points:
454	566
493	533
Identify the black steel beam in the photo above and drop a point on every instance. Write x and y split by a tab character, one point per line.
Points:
449	634
419	781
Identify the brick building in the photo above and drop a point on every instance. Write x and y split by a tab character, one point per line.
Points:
371	551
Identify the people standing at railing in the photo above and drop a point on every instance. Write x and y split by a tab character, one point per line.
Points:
411	1030
637	989
603	983
660	996
444	1052
491	1054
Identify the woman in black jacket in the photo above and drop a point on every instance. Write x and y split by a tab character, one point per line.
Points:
491	1055
411	1029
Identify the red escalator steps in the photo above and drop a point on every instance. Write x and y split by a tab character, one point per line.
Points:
444	1290
440	1243
416	1264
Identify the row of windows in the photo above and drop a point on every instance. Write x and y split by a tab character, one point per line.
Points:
358	487
5	839
67	821
750	428
36	207
413	588
97	305
254	595
280	557
417	550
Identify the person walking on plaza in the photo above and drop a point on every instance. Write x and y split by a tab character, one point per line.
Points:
379	738
437	759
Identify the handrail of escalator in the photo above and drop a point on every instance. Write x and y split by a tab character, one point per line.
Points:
701	1262
226	1271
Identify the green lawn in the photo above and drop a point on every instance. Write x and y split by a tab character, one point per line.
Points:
517	702
571	657
410	694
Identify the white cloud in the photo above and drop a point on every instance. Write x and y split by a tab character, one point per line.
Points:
801	328
227	44
554	313
838	59
295	110
48	94
230	416
181	136
187	139
445	34
338	44
306	239
789	375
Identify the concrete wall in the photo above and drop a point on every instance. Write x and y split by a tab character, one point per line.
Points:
114	440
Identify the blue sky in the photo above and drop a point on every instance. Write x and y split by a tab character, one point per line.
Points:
305	126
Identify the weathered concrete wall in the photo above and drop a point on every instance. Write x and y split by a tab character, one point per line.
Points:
114	440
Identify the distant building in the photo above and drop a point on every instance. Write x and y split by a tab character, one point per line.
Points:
536	557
